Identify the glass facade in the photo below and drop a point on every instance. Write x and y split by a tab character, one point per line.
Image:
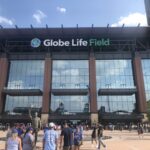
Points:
71	103
117	103
70	74
146	75
26	74
22	101
115	74
73	74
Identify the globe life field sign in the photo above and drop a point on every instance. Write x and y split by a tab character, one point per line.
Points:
73	42
102	42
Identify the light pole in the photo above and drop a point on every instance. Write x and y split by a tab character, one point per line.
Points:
108	85
88	87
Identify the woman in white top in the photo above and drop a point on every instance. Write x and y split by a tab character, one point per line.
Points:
13	142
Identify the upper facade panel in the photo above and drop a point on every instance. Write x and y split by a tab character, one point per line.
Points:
74	39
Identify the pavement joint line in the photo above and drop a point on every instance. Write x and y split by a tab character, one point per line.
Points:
133	148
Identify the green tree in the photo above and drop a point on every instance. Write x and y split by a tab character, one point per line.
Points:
148	110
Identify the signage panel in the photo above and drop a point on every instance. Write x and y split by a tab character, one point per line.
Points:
73	42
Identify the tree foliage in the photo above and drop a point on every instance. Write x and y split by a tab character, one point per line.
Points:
148	110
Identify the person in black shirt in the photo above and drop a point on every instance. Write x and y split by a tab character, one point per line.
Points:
93	135
100	135
67	136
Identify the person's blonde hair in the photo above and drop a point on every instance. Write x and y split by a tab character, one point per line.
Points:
14	135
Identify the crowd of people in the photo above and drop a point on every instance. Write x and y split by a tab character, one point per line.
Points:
20	137
56	137
66	137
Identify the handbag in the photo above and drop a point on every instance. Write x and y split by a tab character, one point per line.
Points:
79	143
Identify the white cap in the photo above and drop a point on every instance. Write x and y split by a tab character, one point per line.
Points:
51	124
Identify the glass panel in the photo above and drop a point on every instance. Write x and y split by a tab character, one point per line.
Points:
70	74
146	75
13	102
116	103
114	74
70	103
26	74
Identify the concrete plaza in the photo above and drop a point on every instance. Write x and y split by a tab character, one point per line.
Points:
121	140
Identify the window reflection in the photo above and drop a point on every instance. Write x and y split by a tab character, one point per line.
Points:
116	103
22	101
26	74
115	74
70	103
146	75
70	74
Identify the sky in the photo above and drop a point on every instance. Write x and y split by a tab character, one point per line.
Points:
69	13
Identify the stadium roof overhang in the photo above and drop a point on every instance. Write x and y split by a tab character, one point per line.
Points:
22	92
74	32
63	92
111	91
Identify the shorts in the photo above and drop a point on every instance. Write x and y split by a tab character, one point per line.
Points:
68	148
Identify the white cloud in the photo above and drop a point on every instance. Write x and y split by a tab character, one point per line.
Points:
38	16
132	19
109	67
61	9
16	84
6	21
123	65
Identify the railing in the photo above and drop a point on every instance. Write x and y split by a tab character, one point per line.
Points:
114	116
70	116
14	117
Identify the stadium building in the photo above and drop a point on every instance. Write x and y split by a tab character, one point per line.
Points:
82	74
147	8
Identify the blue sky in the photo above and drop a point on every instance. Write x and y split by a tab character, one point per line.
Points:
72	12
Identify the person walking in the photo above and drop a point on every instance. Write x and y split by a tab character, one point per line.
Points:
50	139
100	135
77	139
68	137
28	140
81	131
140	131
13	142
93	135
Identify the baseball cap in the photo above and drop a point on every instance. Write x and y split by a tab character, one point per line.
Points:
30	128
14	131
51	124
